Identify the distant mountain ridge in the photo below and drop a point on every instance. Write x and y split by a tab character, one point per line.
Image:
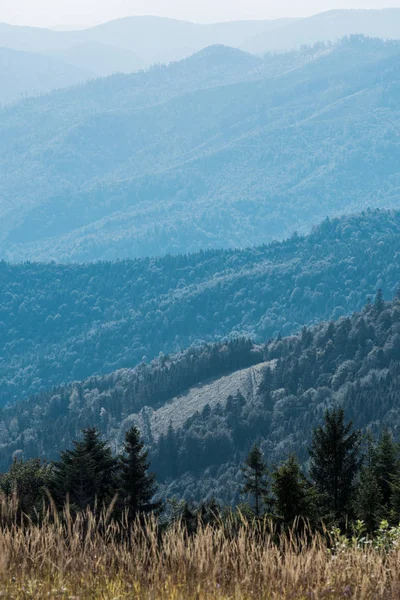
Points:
222	149
328	26
132	43
24	74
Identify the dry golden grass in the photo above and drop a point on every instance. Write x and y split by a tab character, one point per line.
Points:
86	559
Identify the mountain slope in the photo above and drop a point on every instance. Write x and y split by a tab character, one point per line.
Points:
67	322
101	59
328	26
209	394
239	157
27	74
354	362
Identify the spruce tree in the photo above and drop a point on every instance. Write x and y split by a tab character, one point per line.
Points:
369	502
335	463
86	474
293	494
386	465
379	303
255	476
138	487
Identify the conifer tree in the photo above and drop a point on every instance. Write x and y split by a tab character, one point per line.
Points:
255	475
86	474
386	466
138	487
294	496
379	303
335	463
369	503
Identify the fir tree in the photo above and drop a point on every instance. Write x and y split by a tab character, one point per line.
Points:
379	303
86	474
255	476
294	496
386	466
335	463
138	487
369	502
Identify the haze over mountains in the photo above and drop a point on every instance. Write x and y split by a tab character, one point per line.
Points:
328	27
222	149
129	44
25	74
142	216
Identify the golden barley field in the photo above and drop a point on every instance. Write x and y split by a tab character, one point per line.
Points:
88	558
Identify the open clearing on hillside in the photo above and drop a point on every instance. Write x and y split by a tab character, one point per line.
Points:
177	411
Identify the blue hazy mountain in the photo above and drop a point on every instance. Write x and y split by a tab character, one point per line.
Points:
25	74
98	58
126	45
219	150
329	26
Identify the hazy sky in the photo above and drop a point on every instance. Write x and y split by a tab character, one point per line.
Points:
88	12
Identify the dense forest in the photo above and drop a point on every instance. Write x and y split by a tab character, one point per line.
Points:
353	362
235	155
349	477
60	323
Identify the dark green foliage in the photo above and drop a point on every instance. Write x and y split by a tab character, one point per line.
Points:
335	463
108	401
353	363
255	476
386	466
369	506
86	475
60	323
293	495
137	486
28	482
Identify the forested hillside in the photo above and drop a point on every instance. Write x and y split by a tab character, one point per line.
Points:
229	156
67	322
354	363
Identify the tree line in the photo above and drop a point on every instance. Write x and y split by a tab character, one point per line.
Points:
349	477
353	362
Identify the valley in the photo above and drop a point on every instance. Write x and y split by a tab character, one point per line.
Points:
200	307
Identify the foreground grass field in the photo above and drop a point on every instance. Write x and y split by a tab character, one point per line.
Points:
92	558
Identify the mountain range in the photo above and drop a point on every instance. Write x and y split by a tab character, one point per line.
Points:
159	40
200	411
133	43
222	149
61	323
207	248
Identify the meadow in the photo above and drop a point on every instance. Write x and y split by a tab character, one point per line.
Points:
91	557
